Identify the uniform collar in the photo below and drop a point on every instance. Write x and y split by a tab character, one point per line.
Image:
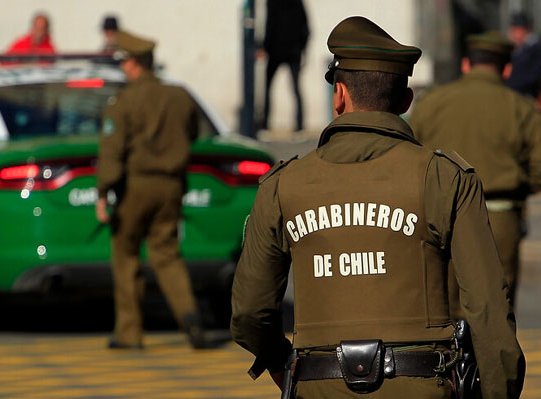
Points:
145	77
483	74
382	123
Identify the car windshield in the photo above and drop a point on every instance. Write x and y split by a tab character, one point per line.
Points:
54	109
69	108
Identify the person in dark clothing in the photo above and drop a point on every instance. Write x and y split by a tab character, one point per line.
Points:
286	35
109	29
526	59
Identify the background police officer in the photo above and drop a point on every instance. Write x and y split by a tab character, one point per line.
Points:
143	154
369	221
496	130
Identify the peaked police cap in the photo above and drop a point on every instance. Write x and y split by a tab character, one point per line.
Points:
130	45
491	41
359	44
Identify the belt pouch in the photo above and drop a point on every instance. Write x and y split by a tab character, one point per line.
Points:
361	363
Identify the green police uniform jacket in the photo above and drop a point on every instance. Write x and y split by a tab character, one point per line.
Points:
375	272
147	130
504	141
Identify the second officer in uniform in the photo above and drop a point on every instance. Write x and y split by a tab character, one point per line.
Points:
495	129
368	222
144	150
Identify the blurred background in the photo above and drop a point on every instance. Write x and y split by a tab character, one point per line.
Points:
211	44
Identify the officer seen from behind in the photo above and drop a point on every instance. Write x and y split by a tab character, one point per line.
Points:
144	150
369	221
495	129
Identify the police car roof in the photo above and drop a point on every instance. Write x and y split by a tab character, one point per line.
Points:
33	69
18	70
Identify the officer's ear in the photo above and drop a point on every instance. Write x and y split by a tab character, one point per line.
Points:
465	65
339	98
507	71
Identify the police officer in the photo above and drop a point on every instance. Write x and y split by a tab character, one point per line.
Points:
144	150
496	130
368	222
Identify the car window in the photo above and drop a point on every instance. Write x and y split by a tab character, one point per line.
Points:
54	109
68	108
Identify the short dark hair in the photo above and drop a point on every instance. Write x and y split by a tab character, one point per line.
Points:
483	57
521	19
374	90
146	60
110	22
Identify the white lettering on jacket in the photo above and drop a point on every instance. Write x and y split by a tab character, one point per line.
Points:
351	264
351	214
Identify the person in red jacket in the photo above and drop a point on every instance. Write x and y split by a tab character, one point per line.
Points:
37	41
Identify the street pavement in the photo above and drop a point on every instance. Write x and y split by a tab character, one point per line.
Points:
79	366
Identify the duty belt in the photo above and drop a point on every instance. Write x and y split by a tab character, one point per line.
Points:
395	363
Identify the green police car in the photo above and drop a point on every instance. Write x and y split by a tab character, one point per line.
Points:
50	240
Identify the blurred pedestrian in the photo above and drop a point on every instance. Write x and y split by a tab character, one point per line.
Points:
286	35
368	222
37	41
144	149
109	29
526	58
494	128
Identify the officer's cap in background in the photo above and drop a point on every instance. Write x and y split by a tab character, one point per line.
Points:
359	44
491	41
132	46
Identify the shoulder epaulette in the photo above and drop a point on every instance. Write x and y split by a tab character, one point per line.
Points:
455	158
277	166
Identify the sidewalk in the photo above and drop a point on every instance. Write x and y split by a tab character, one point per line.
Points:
79	366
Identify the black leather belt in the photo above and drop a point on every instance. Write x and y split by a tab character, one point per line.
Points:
405	363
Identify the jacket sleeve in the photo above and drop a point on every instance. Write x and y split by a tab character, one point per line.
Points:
260	283
479	274
112	152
